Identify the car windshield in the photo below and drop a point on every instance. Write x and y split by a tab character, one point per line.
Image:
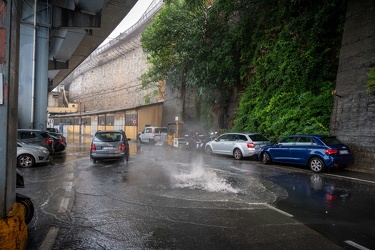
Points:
258	137
330	141
108	137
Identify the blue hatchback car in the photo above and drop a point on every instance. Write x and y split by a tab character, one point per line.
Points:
319	152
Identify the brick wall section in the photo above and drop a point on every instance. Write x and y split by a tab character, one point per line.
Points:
114	84
353	115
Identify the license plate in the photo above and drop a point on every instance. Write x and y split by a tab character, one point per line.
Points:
344	152
108	148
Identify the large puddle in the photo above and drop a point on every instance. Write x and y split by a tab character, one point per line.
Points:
200	183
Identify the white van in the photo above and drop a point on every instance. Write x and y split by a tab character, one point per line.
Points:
152	134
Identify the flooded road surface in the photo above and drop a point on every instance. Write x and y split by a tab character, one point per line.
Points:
168	198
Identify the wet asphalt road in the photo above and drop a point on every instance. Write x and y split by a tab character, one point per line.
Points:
168	198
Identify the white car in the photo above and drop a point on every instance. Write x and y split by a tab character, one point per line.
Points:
152	134
237	144
29	154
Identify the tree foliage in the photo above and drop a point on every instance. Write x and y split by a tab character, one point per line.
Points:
282	55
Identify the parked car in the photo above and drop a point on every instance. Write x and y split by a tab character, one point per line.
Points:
319	152
59	141
237	144
53	130
33	136
28	154
152	134
109	144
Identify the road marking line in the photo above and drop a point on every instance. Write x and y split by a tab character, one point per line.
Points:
68	186
49	239
278	210
70	176
351	178
64	205
353	244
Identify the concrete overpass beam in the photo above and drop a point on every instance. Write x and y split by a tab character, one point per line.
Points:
56	65
69	19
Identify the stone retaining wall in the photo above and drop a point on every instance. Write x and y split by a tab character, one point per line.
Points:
353	115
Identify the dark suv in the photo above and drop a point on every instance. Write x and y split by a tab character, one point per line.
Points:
109	144
39	137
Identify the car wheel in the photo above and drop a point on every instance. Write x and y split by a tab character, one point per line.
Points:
316	165
93	160
237	154
25	161
266	159
208	150
29	208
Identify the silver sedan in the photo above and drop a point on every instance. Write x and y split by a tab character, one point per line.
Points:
239	145
29	154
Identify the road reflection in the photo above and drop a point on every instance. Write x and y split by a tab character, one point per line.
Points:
312	192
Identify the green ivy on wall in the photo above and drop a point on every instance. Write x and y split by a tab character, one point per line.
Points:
371	81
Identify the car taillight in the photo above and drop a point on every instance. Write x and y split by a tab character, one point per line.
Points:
61	141
250	145
331	151
330	197
93	147
49	141
123	146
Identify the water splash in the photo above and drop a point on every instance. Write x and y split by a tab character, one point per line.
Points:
204	179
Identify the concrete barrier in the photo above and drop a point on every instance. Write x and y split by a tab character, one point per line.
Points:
13	229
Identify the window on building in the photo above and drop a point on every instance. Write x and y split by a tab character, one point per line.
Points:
86	121
110	120
131	119
101	120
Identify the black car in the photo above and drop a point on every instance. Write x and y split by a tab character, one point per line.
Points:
53	130
59	141
34	136
109	144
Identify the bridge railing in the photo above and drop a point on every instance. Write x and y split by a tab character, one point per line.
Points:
124	45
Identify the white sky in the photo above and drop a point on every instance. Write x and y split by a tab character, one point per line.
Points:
130	19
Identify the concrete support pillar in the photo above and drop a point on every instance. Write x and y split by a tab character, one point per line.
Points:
13	230
33	78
